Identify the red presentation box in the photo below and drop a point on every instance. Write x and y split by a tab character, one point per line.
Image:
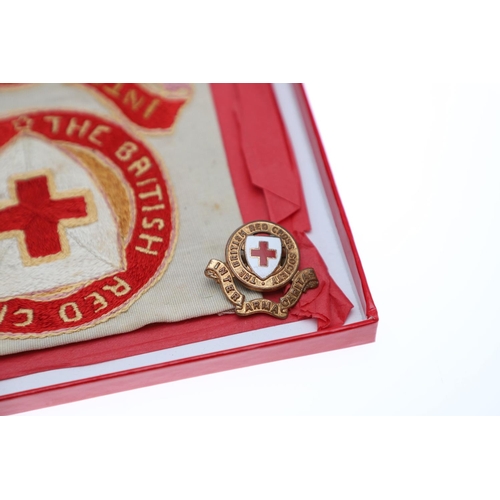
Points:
279	120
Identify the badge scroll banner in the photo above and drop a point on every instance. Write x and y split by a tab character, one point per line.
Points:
301	282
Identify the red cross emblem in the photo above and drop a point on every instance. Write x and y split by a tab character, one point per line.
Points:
40	215
263	253
81	255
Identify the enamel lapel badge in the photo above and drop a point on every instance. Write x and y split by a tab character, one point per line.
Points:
263	257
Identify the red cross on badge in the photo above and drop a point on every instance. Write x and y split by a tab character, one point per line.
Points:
263	253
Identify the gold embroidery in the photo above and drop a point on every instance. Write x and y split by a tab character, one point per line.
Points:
114	90
157	192
22	123
121	288
151	108
111	184
146	224
81	128
133	99
151	208
2	312
150	239
99	300
77	315
29	317
126	150
54	121
100	129
140	166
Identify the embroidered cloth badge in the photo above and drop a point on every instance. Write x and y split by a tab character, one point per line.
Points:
83	207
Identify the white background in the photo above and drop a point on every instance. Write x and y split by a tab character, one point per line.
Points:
406	99
417	166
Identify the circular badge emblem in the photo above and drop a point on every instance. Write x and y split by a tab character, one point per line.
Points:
262	255
87	222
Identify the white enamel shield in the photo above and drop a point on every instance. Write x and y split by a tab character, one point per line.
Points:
263	254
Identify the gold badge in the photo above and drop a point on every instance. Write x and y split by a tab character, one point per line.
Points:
263	257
